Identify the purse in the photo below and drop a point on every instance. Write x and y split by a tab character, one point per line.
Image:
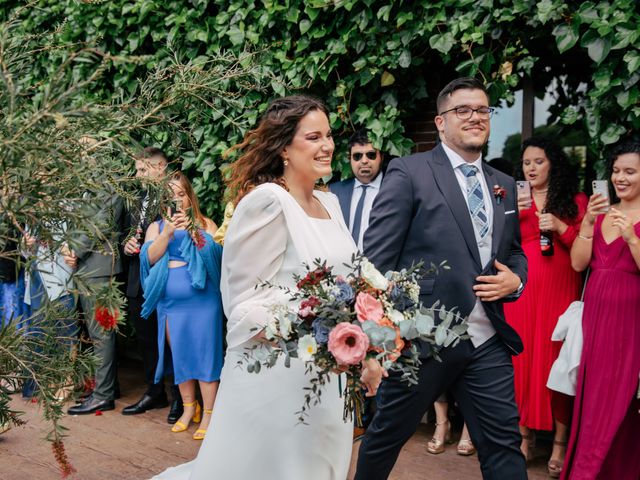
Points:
563	375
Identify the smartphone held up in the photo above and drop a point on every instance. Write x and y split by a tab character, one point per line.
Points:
602	187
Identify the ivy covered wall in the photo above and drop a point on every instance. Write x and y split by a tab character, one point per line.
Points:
374	62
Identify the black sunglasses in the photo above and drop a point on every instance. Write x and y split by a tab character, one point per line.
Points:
357	156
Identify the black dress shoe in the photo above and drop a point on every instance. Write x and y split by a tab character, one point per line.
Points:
175	412
147	402
91	405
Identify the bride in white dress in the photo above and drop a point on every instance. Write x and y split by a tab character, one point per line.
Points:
279	223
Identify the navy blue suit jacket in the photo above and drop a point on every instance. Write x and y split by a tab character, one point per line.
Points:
344	191
420	214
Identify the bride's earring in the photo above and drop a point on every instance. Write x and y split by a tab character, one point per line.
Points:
285	162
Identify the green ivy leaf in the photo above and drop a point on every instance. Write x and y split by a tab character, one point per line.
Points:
612	134
405	59
305	25
598	48
442	42
566	37
359	64
387	79
632	58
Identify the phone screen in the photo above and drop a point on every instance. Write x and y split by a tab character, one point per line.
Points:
175	206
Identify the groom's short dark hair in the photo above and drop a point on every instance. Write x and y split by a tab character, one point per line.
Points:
466	83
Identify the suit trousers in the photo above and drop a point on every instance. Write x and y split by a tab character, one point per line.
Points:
481	380
147	336
104	347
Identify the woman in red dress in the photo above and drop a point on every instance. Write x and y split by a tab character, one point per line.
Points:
551	287
604	440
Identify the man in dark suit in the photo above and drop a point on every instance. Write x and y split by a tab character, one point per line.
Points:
446	205
151	164
356	195
97	260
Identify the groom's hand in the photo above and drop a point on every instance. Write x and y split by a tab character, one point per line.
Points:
494	287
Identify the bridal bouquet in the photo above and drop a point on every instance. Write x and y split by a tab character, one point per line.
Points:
333	322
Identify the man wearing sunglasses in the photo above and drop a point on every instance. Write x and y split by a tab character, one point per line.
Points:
356	195
446	205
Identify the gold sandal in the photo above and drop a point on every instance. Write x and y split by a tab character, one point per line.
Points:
554	467
465	448
436	446
200	433
197	417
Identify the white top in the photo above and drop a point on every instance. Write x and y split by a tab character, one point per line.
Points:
54	273
480	327
254	431
372	191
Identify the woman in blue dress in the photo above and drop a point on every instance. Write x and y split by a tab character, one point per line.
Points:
180	273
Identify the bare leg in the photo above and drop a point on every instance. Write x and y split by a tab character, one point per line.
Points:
559	449
527	441
465	445
442	432
209	391
188	393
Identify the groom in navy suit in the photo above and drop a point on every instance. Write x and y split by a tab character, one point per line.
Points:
446	204
356	195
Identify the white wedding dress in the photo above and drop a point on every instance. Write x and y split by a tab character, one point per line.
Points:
254	431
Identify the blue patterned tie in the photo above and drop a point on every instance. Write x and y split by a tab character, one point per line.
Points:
475	199
357	218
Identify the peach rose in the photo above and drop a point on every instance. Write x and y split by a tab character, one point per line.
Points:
348	344
385	322
368	308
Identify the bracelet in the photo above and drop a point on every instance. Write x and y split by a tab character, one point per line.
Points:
583	237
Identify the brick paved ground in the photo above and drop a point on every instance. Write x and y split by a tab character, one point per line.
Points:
115	447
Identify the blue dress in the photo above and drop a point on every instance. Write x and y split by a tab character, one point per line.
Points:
193	317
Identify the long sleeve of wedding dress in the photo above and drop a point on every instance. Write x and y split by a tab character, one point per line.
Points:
254	249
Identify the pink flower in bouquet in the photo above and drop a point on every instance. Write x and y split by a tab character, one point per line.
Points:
348	344
368	308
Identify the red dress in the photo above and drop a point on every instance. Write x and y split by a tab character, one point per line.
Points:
551	286
605	432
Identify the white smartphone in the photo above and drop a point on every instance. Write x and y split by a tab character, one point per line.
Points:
524	190
602	187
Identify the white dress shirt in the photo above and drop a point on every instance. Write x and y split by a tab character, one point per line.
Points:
372	191
480	327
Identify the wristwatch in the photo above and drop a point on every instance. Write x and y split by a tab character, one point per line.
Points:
520	289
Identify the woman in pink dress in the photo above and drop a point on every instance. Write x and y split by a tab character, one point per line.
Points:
606	420
551	287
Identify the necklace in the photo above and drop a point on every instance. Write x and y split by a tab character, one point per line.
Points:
540	192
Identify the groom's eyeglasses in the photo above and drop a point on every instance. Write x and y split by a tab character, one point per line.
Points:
465	113
357	156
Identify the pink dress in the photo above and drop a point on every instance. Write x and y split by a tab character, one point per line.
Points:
605	432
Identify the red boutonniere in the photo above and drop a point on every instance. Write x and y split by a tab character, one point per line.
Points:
499	192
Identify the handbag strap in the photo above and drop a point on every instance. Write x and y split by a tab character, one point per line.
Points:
584	286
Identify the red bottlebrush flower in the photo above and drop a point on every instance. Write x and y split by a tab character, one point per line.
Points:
60	455
198	239
89	384
107	319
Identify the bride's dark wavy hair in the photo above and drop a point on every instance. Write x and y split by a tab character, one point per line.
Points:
563	182
261	160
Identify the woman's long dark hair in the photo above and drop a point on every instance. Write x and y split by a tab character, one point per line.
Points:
261	159
563	182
